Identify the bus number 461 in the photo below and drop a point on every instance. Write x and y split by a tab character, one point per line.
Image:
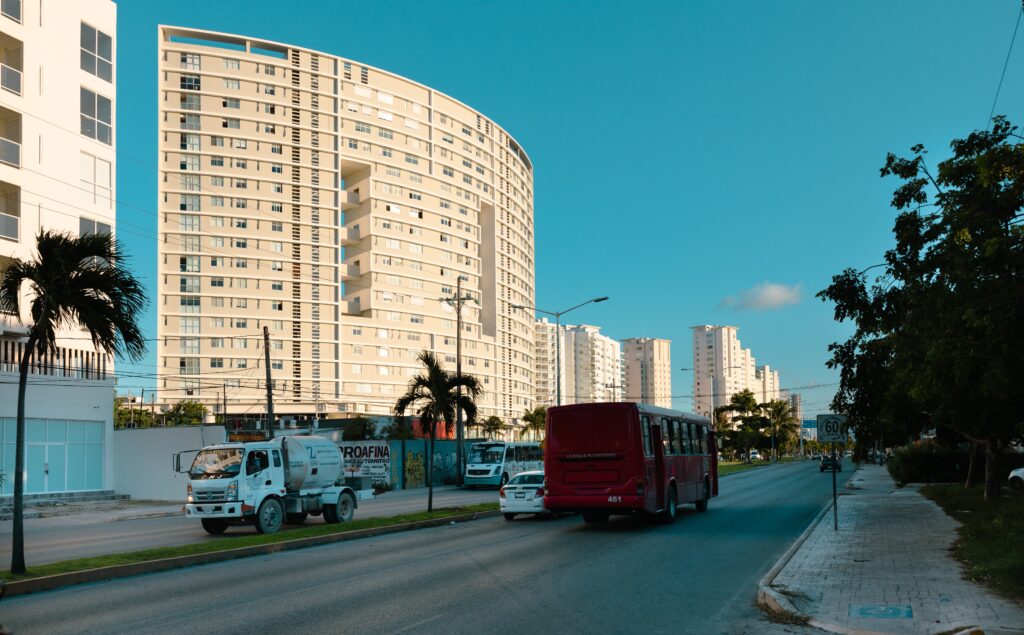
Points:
614	499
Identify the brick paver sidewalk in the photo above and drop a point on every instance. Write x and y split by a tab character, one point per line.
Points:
891	552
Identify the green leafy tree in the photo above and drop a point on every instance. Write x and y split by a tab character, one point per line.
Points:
749	422
933	339
128	415
400	429
536	420
434	395
72	281
492	426
186	412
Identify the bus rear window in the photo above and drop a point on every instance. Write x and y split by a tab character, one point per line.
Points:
591	431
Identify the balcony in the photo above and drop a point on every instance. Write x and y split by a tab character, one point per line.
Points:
349	272
349	199
349	236
10	137
11	9
10	63
10	211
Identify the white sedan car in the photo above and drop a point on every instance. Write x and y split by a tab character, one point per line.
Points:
1017	478
523	494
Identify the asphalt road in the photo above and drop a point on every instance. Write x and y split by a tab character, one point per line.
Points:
82	535
490	576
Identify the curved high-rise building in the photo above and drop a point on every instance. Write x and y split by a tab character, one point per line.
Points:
338	205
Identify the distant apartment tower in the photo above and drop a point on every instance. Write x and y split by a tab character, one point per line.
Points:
57	157
648	371
796	406
545	358
593	368
722	368
337	205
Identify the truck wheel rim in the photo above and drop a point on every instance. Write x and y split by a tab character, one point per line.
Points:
270	516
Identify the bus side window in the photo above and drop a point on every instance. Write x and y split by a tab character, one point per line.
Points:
701	436
667	439
704	439
680	435
538	454
645	430
693	437
510	454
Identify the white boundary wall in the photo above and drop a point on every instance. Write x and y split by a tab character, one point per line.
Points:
142	459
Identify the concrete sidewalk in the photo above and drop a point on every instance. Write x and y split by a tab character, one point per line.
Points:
887	569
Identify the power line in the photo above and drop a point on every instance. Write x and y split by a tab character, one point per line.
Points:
1005	64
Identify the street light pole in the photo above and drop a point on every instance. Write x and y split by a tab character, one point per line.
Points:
558	339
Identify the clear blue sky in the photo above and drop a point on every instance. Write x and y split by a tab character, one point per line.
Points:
685	153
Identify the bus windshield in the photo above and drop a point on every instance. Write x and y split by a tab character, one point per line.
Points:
486	453
216	463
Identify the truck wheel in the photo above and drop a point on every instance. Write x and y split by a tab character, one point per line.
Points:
214	526
330	514
269	517
345	508
296	518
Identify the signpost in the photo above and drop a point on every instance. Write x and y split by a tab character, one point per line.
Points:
832	429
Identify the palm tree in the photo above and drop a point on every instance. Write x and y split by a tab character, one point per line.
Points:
73	281
492	426
780	420
536	419
434	396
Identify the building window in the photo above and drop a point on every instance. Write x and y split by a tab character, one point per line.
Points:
189	162
190	101
231	84
190	203
275	149
277	286
231	102
232	64
188	222
276	168
189	122
190	82
217	142
189	304
97	53
188	264
233	124
96	113
216	282
189	284
217	162
216	362
95	180
88	227
190	142
276	226
362	127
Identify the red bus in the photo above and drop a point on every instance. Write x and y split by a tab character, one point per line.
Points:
623	458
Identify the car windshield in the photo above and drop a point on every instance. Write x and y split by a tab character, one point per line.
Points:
486	454
528	479
219	463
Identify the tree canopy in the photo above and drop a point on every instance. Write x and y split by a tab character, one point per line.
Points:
936	340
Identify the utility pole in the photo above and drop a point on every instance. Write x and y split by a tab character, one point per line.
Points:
457	301
270	386
224	411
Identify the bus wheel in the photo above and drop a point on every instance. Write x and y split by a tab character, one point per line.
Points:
702	504
668	515
595	517
504	480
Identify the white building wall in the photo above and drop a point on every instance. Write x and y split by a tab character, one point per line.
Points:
143	468
722	368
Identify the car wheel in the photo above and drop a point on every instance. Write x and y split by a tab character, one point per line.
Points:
509	516
214	525
269	517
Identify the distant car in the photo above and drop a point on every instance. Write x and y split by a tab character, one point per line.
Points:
830	463
754	455
523	494
1017	478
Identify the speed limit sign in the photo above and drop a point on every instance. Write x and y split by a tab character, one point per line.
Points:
832	428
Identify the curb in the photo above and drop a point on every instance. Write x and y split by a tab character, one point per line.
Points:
117	519
771	600
46	583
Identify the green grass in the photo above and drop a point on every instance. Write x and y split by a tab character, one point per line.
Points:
991	542
731	467
235	541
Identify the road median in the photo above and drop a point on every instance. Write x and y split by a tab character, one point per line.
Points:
95	569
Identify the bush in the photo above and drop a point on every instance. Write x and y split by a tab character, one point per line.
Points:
930	463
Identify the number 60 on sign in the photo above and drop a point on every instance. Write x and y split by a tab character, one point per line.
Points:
832	428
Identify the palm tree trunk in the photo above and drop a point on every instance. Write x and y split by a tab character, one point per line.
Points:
18	526
430	472
972	466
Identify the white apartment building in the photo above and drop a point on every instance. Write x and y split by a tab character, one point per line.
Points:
335	204
58	106
592	366
648	371
722	368
796	406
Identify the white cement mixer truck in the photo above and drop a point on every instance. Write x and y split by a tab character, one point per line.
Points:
267	483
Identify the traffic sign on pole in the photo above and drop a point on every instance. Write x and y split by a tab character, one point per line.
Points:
832	428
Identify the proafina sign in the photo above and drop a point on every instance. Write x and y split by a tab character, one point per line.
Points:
371	459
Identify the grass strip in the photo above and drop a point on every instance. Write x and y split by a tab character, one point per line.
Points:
732	467
991	542
235	541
